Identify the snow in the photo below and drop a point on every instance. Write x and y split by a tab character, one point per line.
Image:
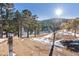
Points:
43	40
14	54
68	33
22	40
58	44
46	40
77	35
1	40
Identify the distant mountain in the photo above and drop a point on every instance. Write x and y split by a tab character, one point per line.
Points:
47	24
54	23
57	19
60	20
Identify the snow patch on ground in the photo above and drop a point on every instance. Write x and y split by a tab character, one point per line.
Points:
68	33
1	40
46	40
58	43
22	40
43	40
14	54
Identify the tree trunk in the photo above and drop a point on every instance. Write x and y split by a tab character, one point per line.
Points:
6	34
27	33
20	32
35	33
20	28
1	31
1	23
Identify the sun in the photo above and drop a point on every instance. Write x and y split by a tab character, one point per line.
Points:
58	12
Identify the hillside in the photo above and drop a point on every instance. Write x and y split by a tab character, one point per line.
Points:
48	24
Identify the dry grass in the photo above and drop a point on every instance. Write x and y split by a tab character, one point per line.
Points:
4	49
29	48
68	37
40	35
25	47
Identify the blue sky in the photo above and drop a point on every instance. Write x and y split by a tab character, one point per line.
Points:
46	10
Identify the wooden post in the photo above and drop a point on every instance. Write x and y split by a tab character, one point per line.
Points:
10	46
52	47
75	33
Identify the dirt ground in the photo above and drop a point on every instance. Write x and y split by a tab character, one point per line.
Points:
27	47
